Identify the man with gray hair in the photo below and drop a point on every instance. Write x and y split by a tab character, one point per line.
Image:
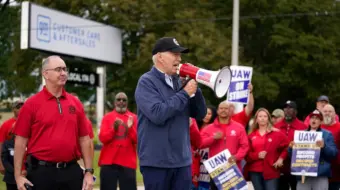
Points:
164	107
51	124
333	126
118	157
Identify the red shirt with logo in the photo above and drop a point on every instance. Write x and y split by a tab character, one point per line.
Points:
119	147
6	127
52	125
275	143
234	139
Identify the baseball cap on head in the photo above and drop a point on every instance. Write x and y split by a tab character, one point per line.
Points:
323	98
168	44
316	113
278	113
290	104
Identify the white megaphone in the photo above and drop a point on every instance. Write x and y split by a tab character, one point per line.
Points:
219	81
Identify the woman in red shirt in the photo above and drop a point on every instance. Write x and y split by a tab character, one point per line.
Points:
267	150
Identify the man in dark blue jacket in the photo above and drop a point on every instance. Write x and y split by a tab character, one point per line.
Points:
163	110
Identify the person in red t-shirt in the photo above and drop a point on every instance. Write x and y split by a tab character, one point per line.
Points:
330	124
7	126
50	125
223	134
267	150
118	157
244	116
288	125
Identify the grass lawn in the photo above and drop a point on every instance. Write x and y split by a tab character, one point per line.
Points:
97	171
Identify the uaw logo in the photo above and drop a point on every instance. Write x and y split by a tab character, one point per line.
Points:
43	28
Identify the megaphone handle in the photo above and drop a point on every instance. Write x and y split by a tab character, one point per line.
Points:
184	84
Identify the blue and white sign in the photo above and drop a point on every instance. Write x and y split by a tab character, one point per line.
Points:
238	90
53	31
225	175
305	153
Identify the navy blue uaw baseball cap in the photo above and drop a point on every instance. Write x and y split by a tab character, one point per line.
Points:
168	44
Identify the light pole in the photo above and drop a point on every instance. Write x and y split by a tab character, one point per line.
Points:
235	42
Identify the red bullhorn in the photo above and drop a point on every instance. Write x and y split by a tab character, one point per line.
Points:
219	81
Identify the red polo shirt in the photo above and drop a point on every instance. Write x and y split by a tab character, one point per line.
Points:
52	125
275	143
6	128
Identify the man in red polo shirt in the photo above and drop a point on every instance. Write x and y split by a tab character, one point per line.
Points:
333	126
118	157
288	125
51	123
7	126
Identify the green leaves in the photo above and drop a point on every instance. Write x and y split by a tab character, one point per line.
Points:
293	46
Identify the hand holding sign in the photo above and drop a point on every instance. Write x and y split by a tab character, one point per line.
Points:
320	143
291	144
250	88
232	159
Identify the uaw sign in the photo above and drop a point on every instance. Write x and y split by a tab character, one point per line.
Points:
83	78
238	90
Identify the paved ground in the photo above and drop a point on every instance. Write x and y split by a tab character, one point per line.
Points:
142	187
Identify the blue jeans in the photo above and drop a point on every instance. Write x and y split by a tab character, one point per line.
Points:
260	184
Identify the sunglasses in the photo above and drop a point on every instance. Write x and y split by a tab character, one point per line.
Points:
121	99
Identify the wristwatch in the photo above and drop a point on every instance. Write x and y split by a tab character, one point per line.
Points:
90	170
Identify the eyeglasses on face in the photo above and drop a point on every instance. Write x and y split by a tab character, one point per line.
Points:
121	99
58	69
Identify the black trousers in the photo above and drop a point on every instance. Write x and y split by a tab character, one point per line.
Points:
111	174
287	182
11	186
52	178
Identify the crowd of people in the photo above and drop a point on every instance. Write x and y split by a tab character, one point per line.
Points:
48	144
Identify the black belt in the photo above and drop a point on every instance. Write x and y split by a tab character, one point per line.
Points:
57	164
